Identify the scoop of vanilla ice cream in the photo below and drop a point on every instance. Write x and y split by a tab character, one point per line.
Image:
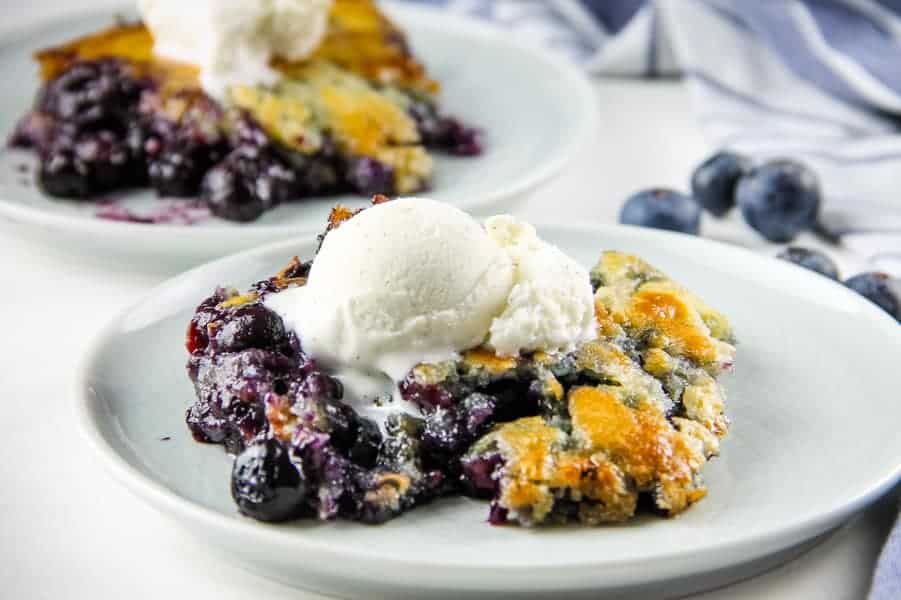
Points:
233	41
415	280
551	304
403	282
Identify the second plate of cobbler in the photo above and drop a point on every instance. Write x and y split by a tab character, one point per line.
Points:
418	402
148	138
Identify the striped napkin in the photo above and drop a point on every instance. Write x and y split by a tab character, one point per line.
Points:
815	80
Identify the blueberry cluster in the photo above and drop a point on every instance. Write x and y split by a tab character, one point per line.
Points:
98	128
459	410
79	128
301	452
779	199
445	133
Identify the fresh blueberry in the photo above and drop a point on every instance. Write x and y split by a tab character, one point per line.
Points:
810	259
662	209
266	484
713	182
779	199
879	288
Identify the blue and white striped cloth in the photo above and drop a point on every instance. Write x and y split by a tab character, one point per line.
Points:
815	80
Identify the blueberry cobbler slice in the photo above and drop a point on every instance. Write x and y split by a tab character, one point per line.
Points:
357	113
622	421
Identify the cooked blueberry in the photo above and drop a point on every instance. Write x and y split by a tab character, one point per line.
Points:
810	259
177	171
234	386
400	448
248	132
444	133
319	173
341	419
138	140
497	514
880	289
426	397
266	484
91	94
226	194
779	199
662	209
428	122
320	176
339	492
478	412
364	450
249	181
273	182
250	326
206	312
369	176
479	475
319	386
107	159
61	174
90	164
443	436
713	182
461	140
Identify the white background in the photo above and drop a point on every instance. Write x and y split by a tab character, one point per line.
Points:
68	531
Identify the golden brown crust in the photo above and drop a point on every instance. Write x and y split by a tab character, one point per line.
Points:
636	299
642	411
641	442
362	40
485	359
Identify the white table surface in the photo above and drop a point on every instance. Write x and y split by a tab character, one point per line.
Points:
68	531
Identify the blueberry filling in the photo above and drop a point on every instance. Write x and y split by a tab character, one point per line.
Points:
97	128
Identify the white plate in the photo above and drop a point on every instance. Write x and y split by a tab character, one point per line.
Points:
535	110
815	412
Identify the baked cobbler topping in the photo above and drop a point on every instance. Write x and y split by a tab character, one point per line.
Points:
621	421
